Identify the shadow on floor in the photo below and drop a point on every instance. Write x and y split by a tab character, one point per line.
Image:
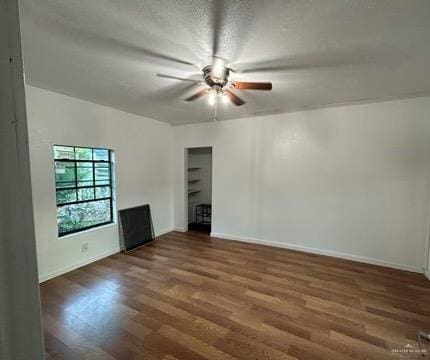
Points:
200	228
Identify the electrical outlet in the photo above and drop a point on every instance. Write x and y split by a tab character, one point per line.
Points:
84	247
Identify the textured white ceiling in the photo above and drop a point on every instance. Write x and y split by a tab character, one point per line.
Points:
324	52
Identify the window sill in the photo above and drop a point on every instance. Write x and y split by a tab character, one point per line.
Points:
83	232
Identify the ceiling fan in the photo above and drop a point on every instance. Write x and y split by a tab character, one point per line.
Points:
216	83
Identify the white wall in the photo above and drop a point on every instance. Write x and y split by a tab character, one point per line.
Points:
350	181
143	170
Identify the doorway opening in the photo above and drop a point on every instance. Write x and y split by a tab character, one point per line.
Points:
199	189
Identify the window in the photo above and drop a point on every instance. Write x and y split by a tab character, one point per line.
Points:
83	182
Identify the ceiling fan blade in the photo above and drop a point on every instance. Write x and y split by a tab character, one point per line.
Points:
157	55
271	69
197	95
236	100
175	90
231	25
243	85
358	54
218	19
113	46
177	78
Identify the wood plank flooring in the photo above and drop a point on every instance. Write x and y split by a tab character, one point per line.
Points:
189	296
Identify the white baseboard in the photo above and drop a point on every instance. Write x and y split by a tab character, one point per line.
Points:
79	264
318	251
181	229
427	274
165	231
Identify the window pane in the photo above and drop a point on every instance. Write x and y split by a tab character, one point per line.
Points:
85	173
101	154
83	153
86	194
102	192
64	152
64	174
66	196
102	172
78	216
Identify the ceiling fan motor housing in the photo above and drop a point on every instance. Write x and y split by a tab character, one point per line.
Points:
216	80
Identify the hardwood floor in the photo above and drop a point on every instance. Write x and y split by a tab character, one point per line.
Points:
189	297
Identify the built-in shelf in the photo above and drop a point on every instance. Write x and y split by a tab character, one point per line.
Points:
193	181
192	192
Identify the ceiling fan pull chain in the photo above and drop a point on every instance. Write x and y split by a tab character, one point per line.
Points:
216	109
